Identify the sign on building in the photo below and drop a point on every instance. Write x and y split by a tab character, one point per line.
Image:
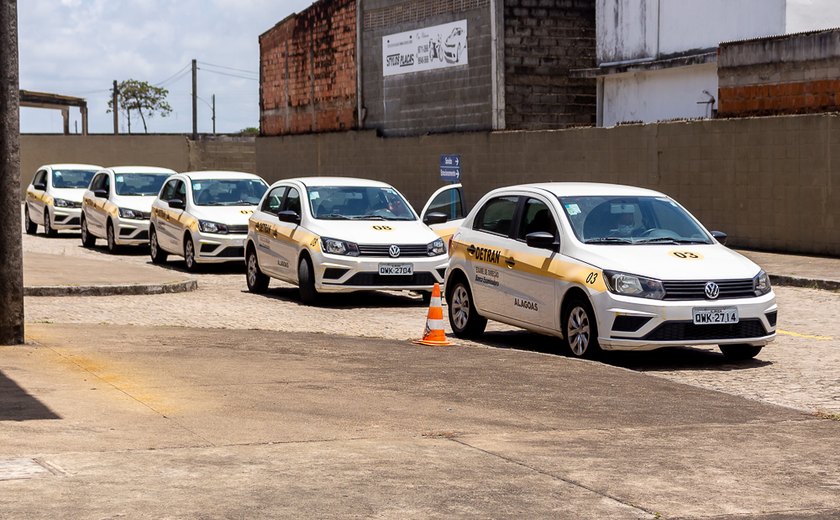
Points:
450	168
429	48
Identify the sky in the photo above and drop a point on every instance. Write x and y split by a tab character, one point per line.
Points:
79	47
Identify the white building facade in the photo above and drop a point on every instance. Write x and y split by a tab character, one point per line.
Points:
657	59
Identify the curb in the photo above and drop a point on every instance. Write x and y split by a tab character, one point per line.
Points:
808	283
111	290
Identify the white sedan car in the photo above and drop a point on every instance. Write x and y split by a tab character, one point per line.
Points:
605	267
118	204
203	216
54	197
339	234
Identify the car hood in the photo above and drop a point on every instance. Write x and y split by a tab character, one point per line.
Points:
230	215
382	232
672	262
139	202
72	194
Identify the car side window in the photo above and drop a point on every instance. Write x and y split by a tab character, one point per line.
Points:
96	183
274	200
292	201
449	203
496	216
536	216
106	183
181	191
40	178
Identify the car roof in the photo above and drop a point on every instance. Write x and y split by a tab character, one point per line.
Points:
338	181
71	166
219	174
139	169
582	189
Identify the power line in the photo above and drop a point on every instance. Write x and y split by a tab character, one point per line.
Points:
231	75
227	68
173	79
159	83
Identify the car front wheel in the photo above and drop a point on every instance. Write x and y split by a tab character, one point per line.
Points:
257	281
48	229
88	240
30	226
306	282
112	238
739	352
580	329
158	255
463	318
189	255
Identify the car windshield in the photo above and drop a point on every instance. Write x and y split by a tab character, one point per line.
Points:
71	178
358	203
137	184
228	192
632	220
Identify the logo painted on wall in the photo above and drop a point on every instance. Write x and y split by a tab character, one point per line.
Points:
429	48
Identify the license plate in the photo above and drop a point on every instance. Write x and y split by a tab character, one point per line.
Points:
715	316
396	269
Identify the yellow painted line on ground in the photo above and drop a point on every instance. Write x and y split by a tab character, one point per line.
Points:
805	336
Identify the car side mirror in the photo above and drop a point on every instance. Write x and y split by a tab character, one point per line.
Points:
102	194
289	216
720	236
177	204
541	240
41	186
435	218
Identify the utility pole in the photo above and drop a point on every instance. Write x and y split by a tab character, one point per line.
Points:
11	253
213	99
115	93
195	100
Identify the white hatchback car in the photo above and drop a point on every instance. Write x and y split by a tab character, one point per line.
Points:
605	267
118	204
340	234
203	216
54	197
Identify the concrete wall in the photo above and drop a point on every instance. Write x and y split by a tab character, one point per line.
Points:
223	153
308	71
784	75
543	42
657	95
448	99
770	183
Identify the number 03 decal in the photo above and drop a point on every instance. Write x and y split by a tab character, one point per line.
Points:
687	255
591	278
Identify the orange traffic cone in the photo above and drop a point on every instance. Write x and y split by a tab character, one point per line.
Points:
433	336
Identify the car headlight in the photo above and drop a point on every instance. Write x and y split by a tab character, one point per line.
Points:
436	248
339	247
632	285
63	203
132	214
207	226
761	283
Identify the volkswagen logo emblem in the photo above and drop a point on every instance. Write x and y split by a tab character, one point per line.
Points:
712	290
394	251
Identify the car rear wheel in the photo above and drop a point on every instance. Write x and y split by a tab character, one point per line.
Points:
739	352
257	280
158	255
580	328
463	318
29	226
189	255
48	229
306	282
113	248
88	240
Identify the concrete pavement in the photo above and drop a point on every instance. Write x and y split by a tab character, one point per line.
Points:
198	423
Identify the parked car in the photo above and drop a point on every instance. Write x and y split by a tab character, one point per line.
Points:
54	197
203	216
339	234
118	204
605	267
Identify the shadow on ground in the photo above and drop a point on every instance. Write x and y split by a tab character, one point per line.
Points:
354	300
16	404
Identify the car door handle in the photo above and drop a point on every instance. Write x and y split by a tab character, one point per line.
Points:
471	250
510	262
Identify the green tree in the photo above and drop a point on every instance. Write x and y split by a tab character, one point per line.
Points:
143	98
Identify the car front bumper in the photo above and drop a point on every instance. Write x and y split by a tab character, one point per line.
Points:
66	218
627	323
132	232
211	248
337	273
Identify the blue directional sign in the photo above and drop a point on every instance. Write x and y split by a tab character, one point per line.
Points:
450	168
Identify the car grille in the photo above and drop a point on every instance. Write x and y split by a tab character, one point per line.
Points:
376	279
688	331
232	252
238	229
629	323
72	221
696	290
406	250
143	235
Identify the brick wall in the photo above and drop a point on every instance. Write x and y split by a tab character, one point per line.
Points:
544	39
308	71
791	74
